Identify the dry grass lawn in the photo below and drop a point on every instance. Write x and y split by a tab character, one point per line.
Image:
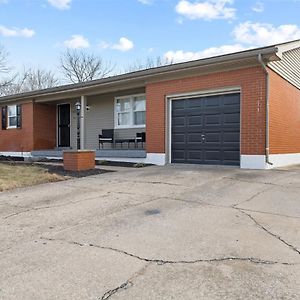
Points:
18	175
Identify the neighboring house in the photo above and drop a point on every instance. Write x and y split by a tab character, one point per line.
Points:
236	109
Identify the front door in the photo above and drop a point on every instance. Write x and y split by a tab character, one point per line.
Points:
63	125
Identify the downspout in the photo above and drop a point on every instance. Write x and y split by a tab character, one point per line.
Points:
260	60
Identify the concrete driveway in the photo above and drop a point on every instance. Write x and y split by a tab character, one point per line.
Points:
175	232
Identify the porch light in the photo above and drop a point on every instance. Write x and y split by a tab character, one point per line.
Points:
78	106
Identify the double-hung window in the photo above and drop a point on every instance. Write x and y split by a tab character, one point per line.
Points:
130	111
12	116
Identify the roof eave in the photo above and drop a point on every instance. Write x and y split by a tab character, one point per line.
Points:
269	53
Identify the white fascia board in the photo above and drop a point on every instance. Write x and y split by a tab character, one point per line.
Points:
287	47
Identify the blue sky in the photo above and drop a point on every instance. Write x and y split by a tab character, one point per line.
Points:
35	32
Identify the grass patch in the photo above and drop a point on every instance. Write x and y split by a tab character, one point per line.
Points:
20	175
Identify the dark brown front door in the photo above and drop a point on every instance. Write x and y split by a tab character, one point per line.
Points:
64	125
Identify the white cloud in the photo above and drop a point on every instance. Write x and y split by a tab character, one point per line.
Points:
77	41
260	34
207	10
60	4
16	32
181	56
258	7
247	35
147	2
124	44
103	45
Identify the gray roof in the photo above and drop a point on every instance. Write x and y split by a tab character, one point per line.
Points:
268	52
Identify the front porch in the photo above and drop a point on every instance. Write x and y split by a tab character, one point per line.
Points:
82	120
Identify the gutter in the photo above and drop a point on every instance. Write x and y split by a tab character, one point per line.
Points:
264	67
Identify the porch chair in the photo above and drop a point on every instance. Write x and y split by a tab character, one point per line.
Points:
140	138
107	137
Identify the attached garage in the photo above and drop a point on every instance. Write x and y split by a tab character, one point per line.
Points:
206	129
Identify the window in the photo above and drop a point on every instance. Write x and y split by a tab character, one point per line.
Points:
12	116
130	111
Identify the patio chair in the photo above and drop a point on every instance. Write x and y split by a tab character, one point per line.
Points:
140	138
107	137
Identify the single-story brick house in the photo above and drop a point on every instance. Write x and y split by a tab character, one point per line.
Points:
235	109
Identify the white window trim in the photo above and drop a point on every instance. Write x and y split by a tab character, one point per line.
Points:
8	116
131	97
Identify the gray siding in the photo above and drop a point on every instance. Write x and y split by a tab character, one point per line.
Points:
101	116
289	66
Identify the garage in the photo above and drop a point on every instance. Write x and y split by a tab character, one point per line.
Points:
206	130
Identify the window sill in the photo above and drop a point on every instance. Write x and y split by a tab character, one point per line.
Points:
12	127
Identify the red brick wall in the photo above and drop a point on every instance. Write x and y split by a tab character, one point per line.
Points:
38	130
79	161
19	139
252	84
44	123
284	116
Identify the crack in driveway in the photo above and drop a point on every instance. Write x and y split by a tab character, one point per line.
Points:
251	198
268	231
265	183
123	286
49	206
127	284
243	211
164	262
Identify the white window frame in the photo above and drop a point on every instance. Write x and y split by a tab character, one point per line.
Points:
131	118
13	116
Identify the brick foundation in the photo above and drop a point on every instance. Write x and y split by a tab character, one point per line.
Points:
80	160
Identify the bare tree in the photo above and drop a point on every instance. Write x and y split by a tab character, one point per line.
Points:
29	80
149	63
37	79
79	66
5	79
3	60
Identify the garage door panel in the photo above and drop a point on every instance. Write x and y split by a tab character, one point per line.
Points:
195	155
212	102
178	121
178	138
194	103
195	146
194	129
213	137
213	119
194	120
194	137
213	155
231	137
217	118
232	118
231	99
178	130
231	155
178	105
